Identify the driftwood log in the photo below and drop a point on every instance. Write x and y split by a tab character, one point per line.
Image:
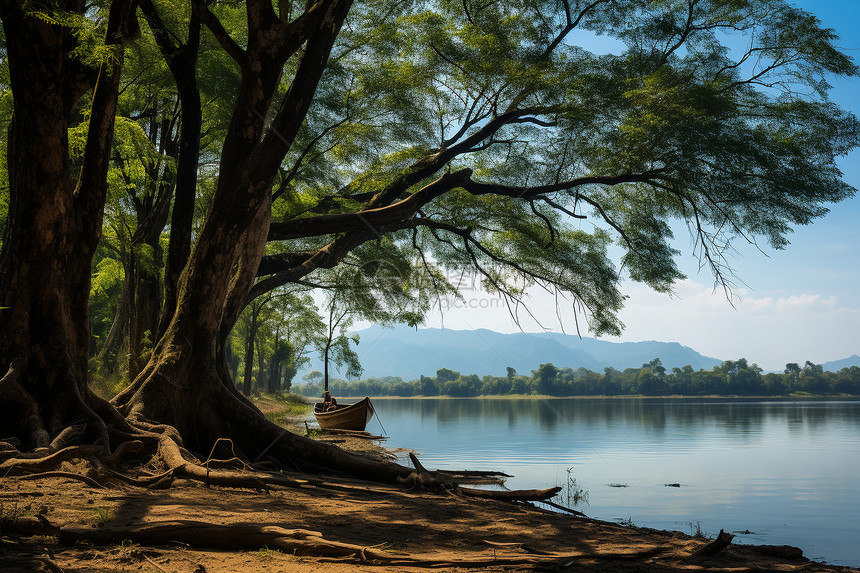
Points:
435	479
722	541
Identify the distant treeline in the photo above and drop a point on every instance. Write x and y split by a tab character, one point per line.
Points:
731	378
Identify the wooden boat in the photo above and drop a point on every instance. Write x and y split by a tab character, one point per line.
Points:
345	416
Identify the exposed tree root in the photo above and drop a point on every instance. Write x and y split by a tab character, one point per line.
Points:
550	561
68	437
23	466
520	546
247	436
28	526
236	536
10	443
124	450
11	392
300	542
170	452
67	475
180	463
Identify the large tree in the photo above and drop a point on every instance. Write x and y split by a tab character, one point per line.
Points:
458	135
55	211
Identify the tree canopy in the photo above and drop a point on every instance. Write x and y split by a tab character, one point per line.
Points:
488	137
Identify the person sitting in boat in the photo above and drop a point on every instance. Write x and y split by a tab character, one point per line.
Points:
329	402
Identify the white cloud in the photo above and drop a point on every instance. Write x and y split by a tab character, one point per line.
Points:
770	331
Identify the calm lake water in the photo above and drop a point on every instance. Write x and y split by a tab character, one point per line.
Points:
772	472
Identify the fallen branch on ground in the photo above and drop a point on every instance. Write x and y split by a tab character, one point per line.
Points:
66	475
563	508
235	536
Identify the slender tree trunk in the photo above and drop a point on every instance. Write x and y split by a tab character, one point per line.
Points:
182	61
262	383
325	366
274	377
145	304
107	355
249	362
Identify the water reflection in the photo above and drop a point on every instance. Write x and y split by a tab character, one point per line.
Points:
738	417
784	469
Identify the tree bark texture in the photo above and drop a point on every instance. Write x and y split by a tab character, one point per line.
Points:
186	383
55	215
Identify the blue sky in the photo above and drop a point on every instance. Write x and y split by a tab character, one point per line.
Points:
802	303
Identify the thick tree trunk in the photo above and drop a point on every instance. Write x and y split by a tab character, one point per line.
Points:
325	366
54	226
184	374
186	384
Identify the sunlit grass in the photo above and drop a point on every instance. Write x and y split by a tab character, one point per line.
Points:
279	407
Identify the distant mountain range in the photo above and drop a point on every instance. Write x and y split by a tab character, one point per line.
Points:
409	353
837	365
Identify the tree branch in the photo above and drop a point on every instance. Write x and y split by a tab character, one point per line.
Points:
221	35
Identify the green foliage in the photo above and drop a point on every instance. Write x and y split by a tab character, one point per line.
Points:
88	31
266	554
106	381
285	327
105	293
546	376
101	516
739	144
731	378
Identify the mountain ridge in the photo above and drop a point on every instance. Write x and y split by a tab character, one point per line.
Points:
837	365
408	353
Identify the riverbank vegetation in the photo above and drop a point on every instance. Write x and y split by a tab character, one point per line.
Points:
731	378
